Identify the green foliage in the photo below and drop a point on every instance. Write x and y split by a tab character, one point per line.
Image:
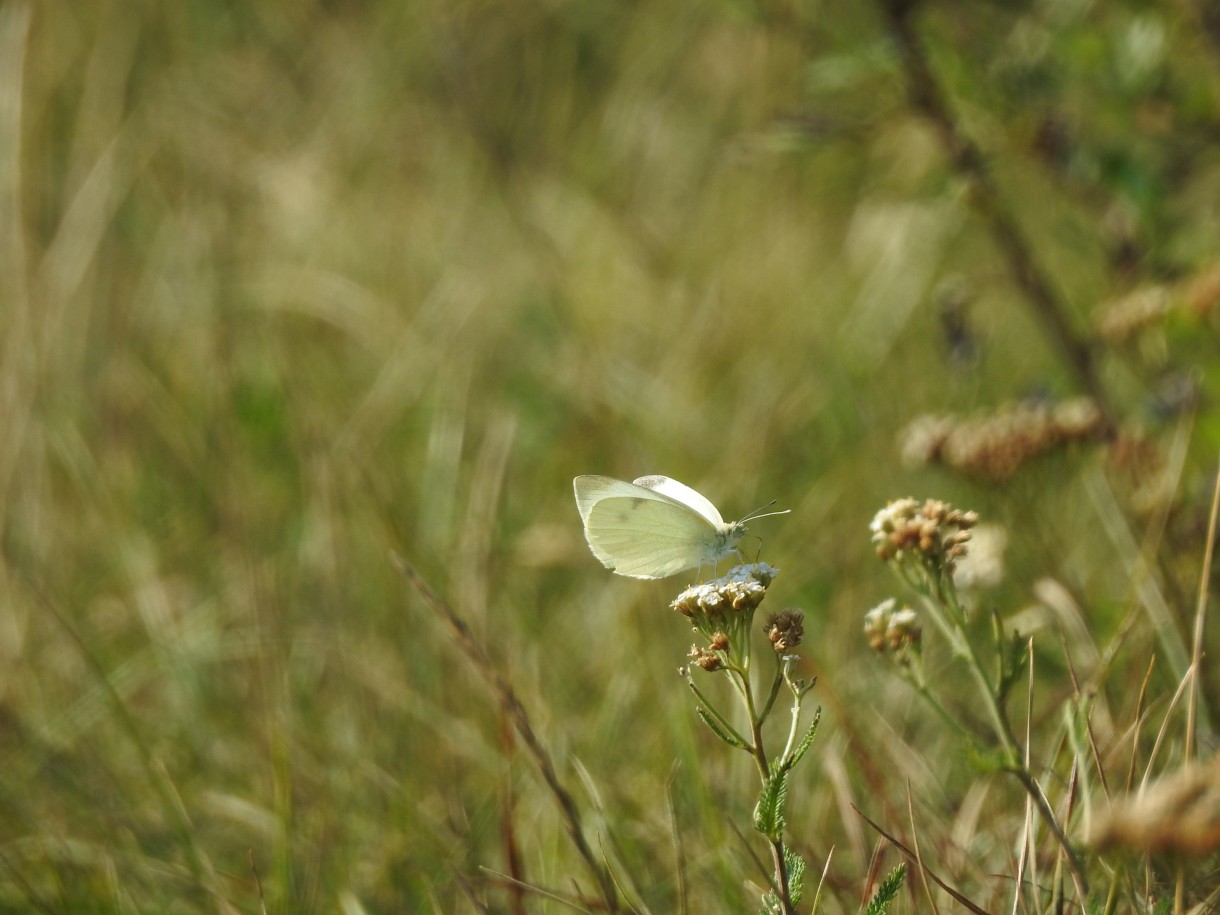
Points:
1013	658
987	761
710	720
795	865
796	884
289	286
806	741
769	810
887	892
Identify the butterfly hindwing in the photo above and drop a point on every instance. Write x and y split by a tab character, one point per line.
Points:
648	538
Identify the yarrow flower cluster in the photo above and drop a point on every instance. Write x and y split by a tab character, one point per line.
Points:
740	591
890	628
933	533
722	610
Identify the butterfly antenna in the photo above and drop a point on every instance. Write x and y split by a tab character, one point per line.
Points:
763	513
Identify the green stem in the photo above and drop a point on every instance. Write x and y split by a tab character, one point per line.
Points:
775	685
715	713
759	751
942	712
793	731
781	877
759	754
777	845
940	599
1046	302
1034	790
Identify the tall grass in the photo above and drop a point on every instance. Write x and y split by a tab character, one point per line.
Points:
288	288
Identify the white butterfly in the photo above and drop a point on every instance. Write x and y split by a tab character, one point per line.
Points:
654	527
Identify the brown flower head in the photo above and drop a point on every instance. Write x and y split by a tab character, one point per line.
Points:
890	628
1178	814
902	630
933	533
876	621
706	659
996	445
785	630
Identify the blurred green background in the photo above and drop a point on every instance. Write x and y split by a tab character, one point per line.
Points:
288	286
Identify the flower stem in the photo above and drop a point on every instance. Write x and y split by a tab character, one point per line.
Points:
781	888
940	598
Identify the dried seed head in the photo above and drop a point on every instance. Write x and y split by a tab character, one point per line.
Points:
876	621
1121	319
704	658
785	630
903	630
1180	813
933	533
997	445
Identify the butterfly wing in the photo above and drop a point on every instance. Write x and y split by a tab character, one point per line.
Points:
642	532
591	489
684	494
650	538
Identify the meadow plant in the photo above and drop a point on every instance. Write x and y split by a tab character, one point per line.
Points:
722	613
922	542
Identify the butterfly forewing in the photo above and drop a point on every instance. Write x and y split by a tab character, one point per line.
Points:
680	492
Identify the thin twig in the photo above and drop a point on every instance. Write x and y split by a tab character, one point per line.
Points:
914	859
1137	721
258	883
923	872
676	836
541	892
517	714
968	160
1196	649
172	805
1029	858
512	847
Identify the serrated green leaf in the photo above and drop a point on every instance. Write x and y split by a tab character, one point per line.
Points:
888	890
769	811
796	874
806	741
712	723
795	867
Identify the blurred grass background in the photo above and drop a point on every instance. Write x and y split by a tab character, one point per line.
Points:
287	286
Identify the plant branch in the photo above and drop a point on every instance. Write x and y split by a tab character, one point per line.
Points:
508	701
968	160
